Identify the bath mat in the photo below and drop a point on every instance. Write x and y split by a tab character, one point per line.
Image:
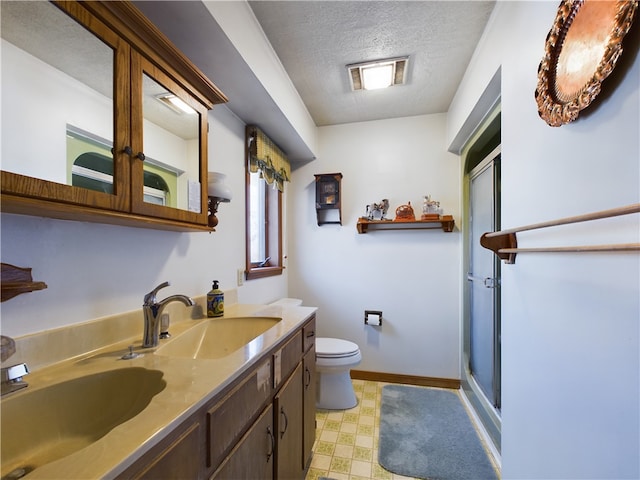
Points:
427	433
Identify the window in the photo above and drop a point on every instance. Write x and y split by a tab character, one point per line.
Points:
95	171
264	210
91	164
264	228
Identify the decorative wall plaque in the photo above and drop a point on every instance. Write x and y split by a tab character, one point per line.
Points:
581	50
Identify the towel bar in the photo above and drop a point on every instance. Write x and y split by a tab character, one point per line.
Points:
504	243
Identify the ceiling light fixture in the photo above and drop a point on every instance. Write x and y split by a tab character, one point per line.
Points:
175	103
378	74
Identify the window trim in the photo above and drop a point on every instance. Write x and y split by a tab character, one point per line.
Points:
274	266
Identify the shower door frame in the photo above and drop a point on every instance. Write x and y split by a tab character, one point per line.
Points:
487	411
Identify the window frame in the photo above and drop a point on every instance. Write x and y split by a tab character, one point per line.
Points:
272	214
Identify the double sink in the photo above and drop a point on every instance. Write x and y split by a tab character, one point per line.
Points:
40	425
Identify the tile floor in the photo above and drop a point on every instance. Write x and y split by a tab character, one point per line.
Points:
346	446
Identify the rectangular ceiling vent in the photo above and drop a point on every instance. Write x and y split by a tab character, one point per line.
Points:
378	74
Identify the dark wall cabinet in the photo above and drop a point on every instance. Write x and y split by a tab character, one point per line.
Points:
329	198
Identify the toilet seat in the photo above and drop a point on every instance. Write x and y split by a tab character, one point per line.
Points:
335	348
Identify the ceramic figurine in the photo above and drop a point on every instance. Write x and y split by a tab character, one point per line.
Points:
380	208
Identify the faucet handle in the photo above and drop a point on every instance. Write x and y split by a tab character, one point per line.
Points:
11	378
150	298
14	373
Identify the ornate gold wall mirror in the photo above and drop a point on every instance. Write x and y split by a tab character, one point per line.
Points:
581	50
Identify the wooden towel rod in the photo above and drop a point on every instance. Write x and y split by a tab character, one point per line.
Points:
504	243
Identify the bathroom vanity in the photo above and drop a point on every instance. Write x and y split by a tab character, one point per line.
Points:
252	428
247	411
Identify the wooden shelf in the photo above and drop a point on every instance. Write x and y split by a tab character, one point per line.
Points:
445	222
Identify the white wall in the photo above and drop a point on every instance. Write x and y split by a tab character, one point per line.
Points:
413	277
94	270
39	98
570	330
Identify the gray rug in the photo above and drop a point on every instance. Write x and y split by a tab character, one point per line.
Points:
427	433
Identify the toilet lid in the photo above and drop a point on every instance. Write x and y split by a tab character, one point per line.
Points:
335	347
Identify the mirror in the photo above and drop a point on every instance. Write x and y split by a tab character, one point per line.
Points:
56	76
171	133
581	51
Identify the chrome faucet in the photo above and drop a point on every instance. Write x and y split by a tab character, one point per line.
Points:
152	310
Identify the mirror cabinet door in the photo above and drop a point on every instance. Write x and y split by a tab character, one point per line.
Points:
169	131
61	84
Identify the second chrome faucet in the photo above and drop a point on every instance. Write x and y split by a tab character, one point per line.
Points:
152	310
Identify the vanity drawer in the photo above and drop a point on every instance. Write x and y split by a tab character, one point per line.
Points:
309	334
286	359
228	419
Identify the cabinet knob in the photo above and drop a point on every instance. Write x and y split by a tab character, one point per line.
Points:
127	150
141	156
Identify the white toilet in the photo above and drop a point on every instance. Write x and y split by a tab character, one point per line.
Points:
288	302
334	359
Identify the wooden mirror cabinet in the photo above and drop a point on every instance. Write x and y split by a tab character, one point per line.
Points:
104	120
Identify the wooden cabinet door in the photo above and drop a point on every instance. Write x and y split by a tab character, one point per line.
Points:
169	157
288	422
309	405
177	456
68	132
253	456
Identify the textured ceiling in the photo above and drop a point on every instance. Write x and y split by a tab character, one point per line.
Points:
315	40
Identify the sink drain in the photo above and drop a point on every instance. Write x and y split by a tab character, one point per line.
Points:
17	473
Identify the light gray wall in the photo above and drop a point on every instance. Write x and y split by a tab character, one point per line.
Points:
570	330
412	276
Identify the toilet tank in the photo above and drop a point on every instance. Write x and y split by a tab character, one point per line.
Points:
288	302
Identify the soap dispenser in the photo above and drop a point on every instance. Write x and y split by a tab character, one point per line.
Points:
215	301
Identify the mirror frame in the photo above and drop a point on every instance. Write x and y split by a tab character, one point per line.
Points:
555	106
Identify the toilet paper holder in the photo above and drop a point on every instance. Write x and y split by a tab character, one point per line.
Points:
373	318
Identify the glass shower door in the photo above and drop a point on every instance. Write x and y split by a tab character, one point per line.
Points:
484	354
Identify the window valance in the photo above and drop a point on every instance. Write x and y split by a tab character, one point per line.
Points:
265	157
